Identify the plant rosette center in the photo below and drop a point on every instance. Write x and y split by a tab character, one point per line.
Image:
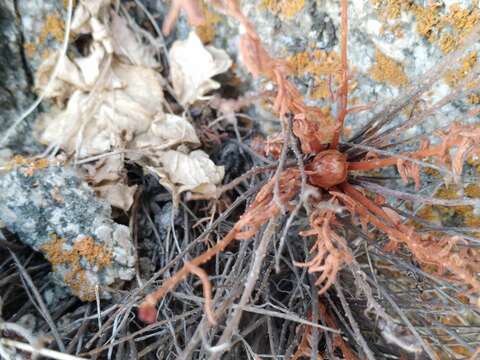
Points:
327	169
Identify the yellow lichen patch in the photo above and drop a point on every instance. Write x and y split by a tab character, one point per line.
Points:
54	251
432	172
471	220
16	161
474	160
45	54
321	90
286	8
461	350
448	193
65	3
474	99
461	19
28	166
77	281
206	32
429	213
387	70
34	165
300	63
19	160
472	190
322	65
464	214
429	21
29	49
87	249
453	77
94	253
445	27
53	26
447	43
391	9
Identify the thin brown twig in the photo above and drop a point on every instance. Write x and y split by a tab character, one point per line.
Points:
207	290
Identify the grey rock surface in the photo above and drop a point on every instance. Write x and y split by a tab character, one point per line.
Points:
390	44
28	30
15	78
55	212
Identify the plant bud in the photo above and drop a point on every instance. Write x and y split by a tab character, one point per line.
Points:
327	169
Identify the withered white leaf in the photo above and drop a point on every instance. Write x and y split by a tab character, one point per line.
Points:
106	178
105	170
79	74
121	107
142	84
90	66
174	129
117	194
85	10
61	87
167	130
127	45
190	172
193	66
121	114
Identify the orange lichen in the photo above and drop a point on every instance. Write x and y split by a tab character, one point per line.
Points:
46	54
65	3
317	62
34	165
391	9
448	193
387	70
472	190
463	213
474	99
85	249
54	251
29	49
453	77
447	43
461	19
444	27
286	8
429	21
322	65
27	166
16	161
206	31
429	213
94	253
53	26
19	160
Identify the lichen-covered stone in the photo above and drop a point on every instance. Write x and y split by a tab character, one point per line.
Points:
390	44
15	80
29	30
52	210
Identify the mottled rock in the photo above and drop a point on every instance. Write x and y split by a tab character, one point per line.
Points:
15	79
28	31
55	212
390	44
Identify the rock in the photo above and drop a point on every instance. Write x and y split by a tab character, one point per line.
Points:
390	44
28	30
55	212
15	80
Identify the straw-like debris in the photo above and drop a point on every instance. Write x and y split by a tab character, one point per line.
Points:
319	240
